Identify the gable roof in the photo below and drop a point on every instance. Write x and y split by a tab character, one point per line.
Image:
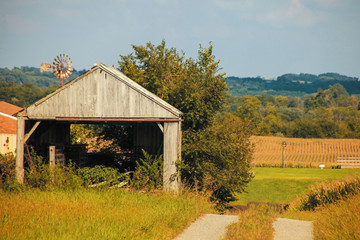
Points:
102	92
9	108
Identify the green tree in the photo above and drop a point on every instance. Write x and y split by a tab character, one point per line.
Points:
195	87
217	159
250	111
216	156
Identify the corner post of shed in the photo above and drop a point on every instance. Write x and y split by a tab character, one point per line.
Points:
20	149
172	154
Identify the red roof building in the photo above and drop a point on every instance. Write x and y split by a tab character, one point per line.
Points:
8	127
9	108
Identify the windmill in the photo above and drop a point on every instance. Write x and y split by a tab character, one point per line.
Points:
62	67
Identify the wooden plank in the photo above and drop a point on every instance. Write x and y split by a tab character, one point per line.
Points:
99	119
348	161
160	126
28	135
356	166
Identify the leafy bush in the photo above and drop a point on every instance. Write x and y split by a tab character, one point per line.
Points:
149	172
66	177
323	194
101	176
7	173
38	174
7	168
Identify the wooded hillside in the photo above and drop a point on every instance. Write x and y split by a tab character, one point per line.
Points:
297	85
23	86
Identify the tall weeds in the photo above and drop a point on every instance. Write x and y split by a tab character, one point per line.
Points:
254	224
339	221
96	214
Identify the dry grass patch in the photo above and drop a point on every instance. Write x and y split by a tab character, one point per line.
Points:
254	224
88	214
339	221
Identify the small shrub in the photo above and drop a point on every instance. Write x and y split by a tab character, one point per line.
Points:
7	168
66	177
38	174
7	174
100	174
149	172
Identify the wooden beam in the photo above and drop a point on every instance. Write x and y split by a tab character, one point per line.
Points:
28	135
95	119
19	171
160	126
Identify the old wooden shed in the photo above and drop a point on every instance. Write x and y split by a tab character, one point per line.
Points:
103	95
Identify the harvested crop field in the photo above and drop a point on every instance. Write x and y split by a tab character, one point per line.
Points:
304	152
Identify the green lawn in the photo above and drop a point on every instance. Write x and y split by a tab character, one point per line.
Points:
278	185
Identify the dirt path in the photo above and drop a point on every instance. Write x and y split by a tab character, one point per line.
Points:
208	227
213	227
289	229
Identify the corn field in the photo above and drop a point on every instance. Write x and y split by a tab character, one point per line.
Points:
303	152
326	193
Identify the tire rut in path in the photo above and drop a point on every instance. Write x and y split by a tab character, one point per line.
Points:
290	229
208	227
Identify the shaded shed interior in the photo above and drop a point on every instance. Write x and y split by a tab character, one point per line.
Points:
144	136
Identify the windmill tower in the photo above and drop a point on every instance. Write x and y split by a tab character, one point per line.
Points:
62	67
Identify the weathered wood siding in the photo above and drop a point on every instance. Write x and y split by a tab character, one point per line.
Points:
172	150
100	94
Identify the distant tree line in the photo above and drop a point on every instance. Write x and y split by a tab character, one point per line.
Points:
329	113
23	86
22	95
291	84
33	75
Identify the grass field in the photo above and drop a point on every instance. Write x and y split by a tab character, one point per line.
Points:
303	152
90	214
281	185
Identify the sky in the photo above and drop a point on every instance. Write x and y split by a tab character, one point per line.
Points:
250	37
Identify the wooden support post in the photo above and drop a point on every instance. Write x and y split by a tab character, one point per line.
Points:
52	156
20	149
172	143
52	153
